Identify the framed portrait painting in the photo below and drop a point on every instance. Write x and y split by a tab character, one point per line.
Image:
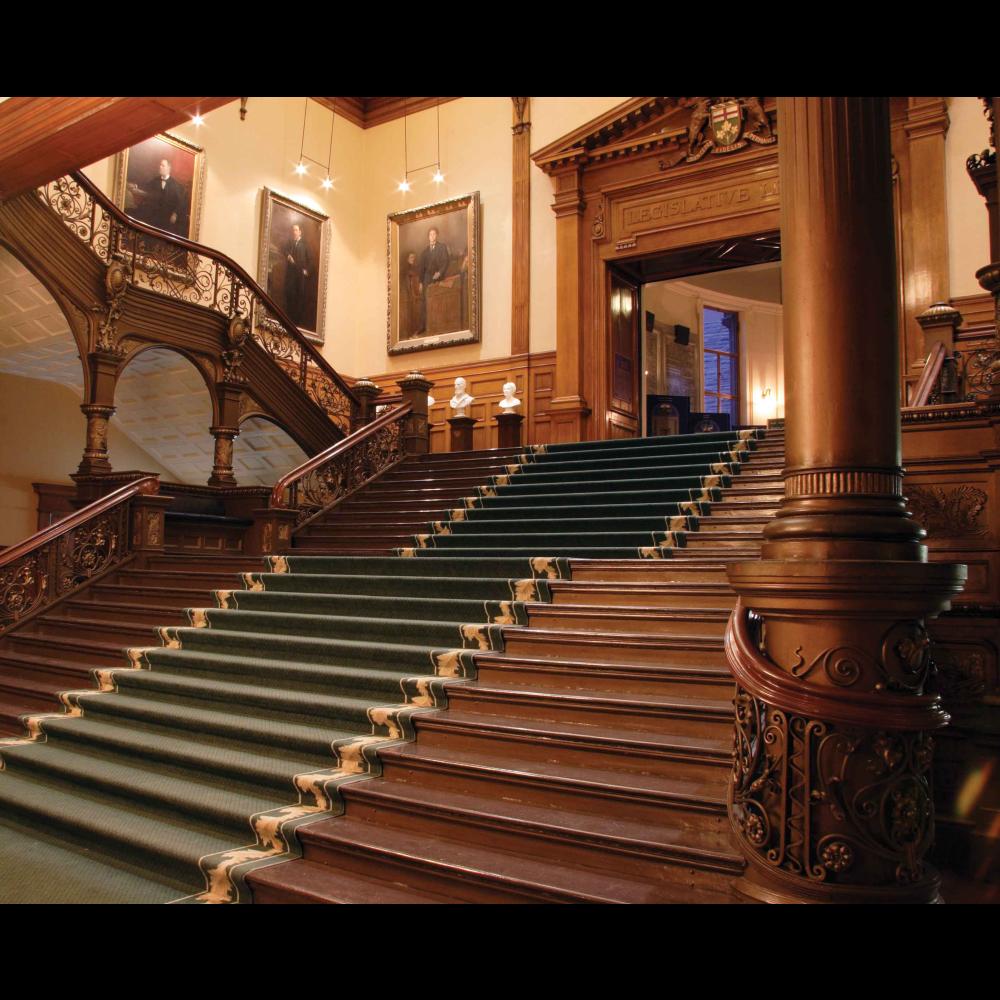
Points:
294	245
160	182
434	274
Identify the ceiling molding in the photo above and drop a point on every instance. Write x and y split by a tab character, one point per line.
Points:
42	138
367	112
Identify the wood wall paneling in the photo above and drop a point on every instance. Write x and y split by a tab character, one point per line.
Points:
533	374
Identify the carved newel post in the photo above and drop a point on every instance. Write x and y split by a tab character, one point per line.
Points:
830	797
367	392
416	432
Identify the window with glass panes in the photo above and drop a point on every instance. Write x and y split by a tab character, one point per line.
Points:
721	363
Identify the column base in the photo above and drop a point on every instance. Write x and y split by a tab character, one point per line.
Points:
766	885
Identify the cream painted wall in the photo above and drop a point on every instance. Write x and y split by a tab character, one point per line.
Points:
475	156
551	118
41	441
968	226
241	158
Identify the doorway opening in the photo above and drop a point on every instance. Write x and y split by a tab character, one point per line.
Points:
706	335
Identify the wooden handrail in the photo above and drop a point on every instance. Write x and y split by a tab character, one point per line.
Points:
346	444
929	376
161	234
148	486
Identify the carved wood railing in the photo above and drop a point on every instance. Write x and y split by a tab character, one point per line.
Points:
928	376
330	477
61	558
179	269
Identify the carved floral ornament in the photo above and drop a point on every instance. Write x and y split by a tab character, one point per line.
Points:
869	792
681	129
948	513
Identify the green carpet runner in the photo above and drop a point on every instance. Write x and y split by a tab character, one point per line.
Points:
196	760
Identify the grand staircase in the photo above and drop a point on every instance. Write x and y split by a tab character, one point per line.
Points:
488	676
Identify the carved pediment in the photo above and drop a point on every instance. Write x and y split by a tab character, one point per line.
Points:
684	129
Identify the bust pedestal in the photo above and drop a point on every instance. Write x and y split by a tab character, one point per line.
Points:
461	433
509	429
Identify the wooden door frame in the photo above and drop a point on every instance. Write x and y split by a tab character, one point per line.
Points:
632	158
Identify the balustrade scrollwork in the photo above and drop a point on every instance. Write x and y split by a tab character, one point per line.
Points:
61	558
178	269
335	474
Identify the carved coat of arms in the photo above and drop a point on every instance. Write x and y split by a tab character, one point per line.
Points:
724	124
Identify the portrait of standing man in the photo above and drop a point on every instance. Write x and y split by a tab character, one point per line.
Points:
299	266
433	267
294	260
432	275
163	201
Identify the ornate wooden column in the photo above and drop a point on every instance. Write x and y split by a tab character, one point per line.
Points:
521	228
830	796
229	394
568	409
99	410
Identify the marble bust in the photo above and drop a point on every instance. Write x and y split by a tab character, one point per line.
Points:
461	399
509	401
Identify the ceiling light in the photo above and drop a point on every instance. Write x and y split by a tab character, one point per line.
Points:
403	186
198	121
438	177
300	168
327	183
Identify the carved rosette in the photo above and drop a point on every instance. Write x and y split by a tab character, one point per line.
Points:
830	804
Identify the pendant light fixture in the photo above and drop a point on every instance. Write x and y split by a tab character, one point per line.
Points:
300	168
438	178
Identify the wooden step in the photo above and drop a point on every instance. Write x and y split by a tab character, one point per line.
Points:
645	594
476	873
664	713
579	744
597	673
649	620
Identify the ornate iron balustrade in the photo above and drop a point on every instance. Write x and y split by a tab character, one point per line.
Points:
61	558
333	475
176	268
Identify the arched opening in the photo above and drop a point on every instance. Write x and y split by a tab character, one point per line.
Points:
264	452
163	404
42	383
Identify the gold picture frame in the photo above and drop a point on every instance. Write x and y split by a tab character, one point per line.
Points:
434	281
294	273
137	170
